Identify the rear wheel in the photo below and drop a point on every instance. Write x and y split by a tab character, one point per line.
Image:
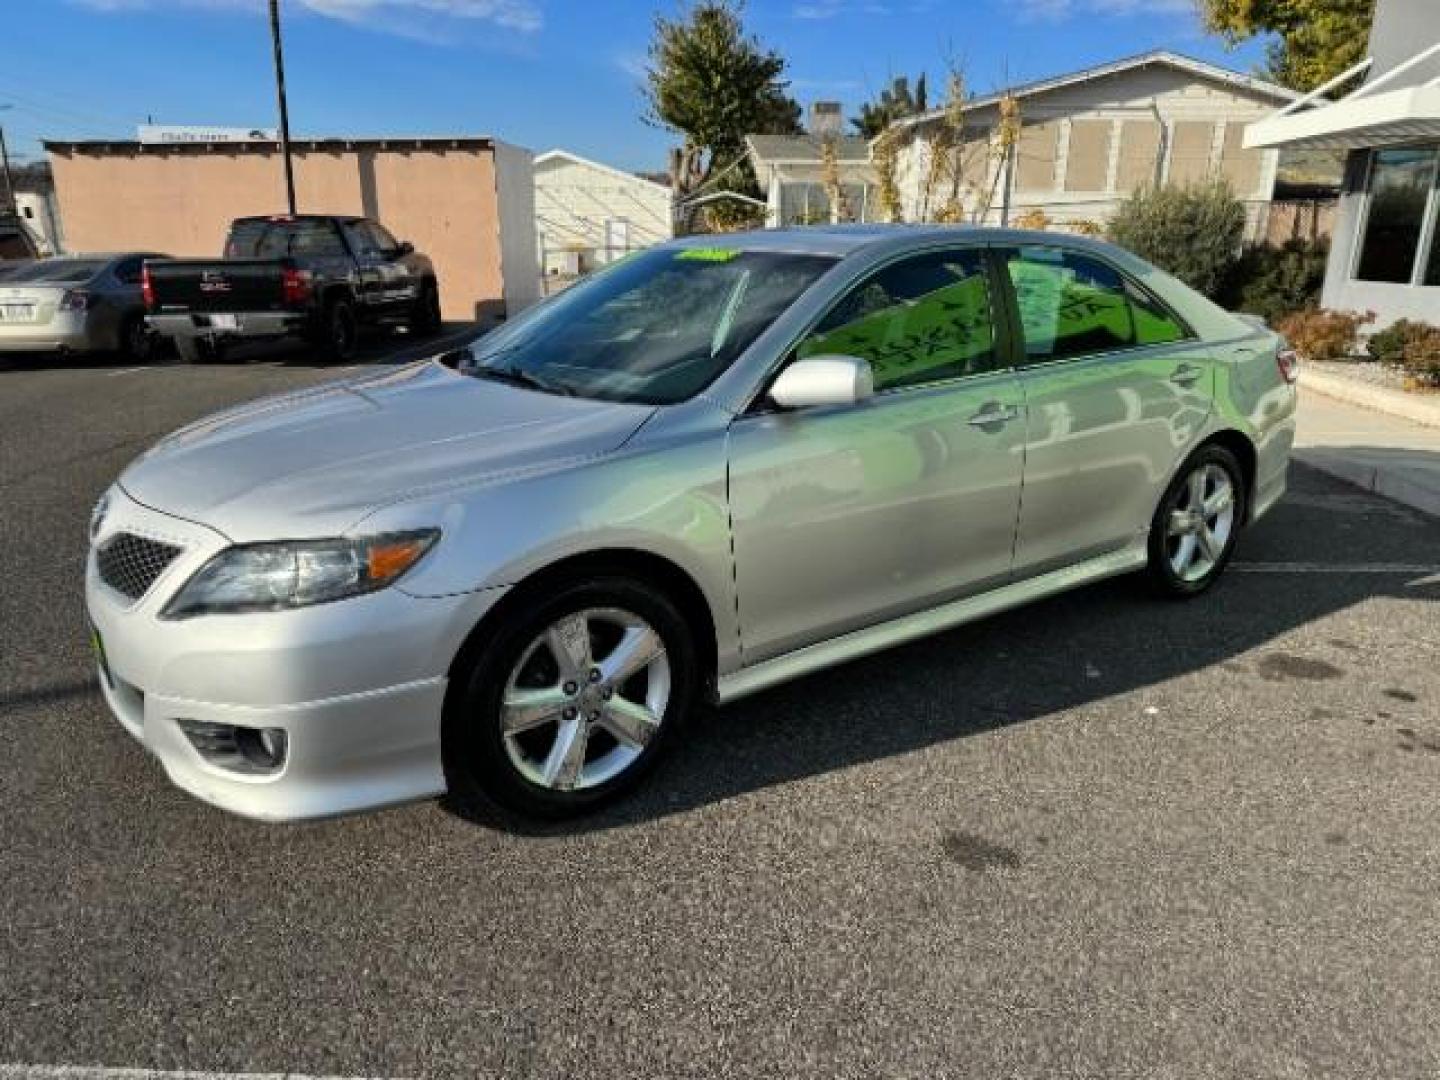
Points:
196	350
137	340
1197	523
341	332
571	700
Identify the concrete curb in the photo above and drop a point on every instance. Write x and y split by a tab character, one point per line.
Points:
1388	482
1420	409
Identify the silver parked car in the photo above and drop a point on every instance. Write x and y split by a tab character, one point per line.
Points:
76	304
720	464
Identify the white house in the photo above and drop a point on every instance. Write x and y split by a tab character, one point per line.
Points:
38	213
790	172
1089	138
1385	251
587	214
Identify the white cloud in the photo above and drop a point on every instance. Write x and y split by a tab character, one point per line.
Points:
816	10
1060	10
394	16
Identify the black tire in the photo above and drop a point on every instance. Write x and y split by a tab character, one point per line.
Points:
1163	546
478	767
425	319
136	340
340	332
196	350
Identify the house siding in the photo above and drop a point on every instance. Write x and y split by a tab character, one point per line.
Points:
1086	145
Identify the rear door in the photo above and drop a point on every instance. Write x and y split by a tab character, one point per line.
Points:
1116	389
844	517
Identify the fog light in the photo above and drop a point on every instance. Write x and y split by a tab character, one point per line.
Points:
239	749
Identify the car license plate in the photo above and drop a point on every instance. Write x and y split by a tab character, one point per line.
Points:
17	312
225	321
97	644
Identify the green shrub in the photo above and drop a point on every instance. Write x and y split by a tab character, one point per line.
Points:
1193	232
1413	346
1321	334
1274	281
1388	346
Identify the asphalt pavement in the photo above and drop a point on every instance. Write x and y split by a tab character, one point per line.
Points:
1100	836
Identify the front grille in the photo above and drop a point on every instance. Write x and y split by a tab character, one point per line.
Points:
129	564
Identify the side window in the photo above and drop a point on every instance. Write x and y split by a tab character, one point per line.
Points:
383	237
1154	324
1073	305
916	321
315	238
362	241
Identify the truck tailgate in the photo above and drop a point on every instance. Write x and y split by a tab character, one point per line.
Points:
201	285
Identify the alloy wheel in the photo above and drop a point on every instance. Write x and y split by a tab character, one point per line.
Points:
1200	522
585	699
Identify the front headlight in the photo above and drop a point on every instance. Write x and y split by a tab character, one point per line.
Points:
275	577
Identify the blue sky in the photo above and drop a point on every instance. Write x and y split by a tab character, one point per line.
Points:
540	73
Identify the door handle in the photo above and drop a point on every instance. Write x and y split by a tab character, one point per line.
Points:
993	414
1186	375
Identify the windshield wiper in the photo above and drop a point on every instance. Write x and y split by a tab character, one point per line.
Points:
516	377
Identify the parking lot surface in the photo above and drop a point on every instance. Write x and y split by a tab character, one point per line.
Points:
1100	836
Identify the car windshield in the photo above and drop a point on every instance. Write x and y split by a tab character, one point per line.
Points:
60	271
656	328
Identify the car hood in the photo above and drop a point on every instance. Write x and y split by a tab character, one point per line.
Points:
313	463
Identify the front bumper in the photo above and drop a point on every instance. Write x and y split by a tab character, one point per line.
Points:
357	685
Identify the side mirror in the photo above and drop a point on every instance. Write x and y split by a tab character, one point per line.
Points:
823	380
405	248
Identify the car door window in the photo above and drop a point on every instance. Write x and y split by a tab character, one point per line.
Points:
1073	305
317	239
362	240
383	239
916	321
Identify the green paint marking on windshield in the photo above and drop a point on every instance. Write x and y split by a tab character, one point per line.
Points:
704	254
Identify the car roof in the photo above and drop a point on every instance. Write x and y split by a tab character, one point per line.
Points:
841	240
283	217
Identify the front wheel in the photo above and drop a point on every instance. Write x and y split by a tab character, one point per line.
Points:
425	319
341	331
569	702
1197	523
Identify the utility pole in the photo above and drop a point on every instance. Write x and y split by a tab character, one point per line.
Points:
284	109
9	203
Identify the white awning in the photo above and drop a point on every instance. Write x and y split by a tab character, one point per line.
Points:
1355	123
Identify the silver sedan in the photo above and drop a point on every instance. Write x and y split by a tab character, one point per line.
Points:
512	572
76	304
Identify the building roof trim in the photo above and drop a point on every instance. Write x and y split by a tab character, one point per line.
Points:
102	147
557	153
1163	57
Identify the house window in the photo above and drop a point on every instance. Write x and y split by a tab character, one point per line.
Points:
1400	197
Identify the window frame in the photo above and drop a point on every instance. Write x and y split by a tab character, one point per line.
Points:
1429	228
1004	337
1024	362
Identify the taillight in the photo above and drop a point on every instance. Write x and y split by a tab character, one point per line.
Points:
294	286
75	300
1288	361
147	288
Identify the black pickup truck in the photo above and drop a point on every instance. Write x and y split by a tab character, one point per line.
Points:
320	277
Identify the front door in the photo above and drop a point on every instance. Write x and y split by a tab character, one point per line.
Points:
847	516
1116	389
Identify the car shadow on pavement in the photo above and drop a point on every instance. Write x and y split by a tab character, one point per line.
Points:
1104	640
